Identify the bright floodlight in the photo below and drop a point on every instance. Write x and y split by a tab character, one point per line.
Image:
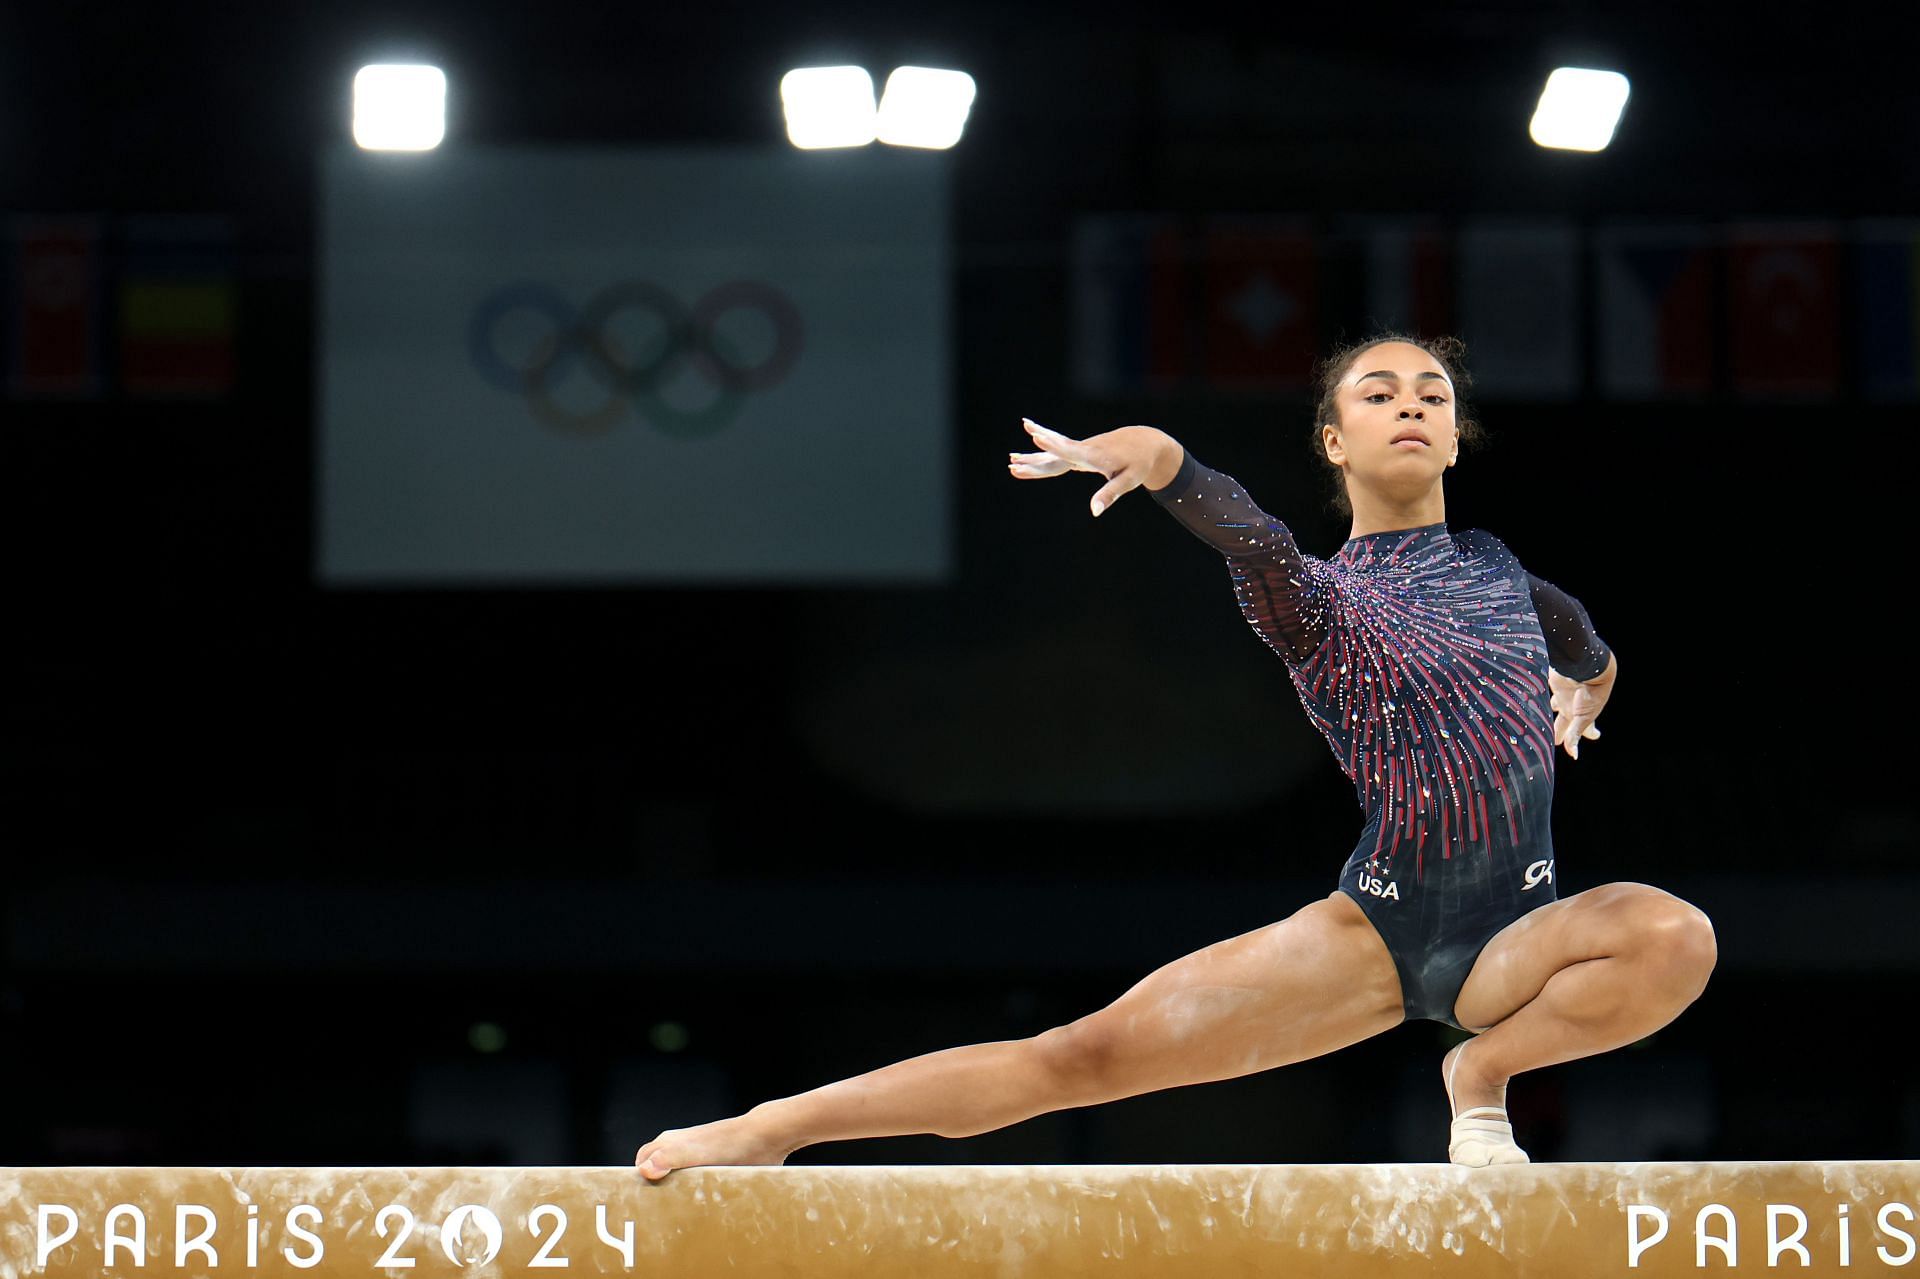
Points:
923	107
828	106
397	107
1578	109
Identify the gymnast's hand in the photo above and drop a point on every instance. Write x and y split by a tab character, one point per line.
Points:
1128	458
1576	705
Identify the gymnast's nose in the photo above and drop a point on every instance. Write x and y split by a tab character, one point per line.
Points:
1415	413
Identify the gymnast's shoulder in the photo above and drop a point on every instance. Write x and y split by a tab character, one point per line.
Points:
1477	541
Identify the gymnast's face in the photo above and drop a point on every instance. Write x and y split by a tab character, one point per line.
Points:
1395	418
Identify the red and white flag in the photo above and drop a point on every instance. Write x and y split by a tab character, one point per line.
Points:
1262	327
1783	308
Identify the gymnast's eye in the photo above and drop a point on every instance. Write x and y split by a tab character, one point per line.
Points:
1437	399
1378	395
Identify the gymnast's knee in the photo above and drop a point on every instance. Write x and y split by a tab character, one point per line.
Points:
1681	938
1080	1056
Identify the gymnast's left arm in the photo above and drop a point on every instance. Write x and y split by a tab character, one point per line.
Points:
1580	667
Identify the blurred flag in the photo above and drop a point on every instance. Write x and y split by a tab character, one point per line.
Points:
1656	334
54	305
1519	309
1409	277
1783	311
1261	330
1130	291
176	304
1886	280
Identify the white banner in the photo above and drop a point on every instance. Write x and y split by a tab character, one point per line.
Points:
592	366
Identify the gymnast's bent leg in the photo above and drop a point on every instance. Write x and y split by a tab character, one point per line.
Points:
1314	982
1578	976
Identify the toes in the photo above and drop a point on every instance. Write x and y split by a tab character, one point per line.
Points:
651	1163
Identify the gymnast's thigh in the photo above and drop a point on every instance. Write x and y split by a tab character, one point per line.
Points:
1517	963
1314	982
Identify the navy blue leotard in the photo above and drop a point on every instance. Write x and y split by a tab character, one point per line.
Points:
1421	655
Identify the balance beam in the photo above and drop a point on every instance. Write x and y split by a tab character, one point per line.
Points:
1207	1221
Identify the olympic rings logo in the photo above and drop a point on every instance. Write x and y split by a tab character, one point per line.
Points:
681	339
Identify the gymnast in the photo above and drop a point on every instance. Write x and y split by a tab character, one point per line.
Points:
1444	676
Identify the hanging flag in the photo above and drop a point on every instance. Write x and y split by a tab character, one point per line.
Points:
176	302
1130	304
1519	309
53	329
1656	332
1261	332
1783	310
1886	285
1409	277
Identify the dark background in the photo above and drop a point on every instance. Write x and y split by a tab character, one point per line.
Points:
301	876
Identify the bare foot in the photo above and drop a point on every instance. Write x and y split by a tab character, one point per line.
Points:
1466	1086
740	1140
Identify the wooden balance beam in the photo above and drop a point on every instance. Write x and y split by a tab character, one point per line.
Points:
1012	1222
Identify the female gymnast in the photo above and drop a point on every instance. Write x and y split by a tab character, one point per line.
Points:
1443	675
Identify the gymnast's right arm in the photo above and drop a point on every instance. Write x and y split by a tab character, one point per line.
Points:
1281	592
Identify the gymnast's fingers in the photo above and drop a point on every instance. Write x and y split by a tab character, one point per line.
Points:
1054	442
1037	466
1580	727
1110	491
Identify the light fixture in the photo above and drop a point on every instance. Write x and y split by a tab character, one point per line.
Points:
399	107
1579	109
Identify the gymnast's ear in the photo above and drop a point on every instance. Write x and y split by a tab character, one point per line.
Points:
1335	450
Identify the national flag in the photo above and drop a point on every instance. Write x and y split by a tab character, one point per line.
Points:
177	299
1519	309
1656	331
1783	309
1130	304
53	328
1886	285
1409	277
1262	330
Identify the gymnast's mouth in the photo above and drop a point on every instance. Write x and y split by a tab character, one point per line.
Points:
1410	437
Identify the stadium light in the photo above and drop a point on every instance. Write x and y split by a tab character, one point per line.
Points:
925	107
1579	109
829	107
399	107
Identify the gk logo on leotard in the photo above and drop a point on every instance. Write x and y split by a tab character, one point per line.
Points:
1541	870
1379	887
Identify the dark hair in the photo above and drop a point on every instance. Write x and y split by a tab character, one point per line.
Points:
1449	352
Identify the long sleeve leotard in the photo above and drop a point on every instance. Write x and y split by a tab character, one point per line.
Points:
1421	655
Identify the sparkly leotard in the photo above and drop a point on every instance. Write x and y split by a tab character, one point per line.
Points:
1421	655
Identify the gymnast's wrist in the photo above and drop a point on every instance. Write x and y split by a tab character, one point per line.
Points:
1165	465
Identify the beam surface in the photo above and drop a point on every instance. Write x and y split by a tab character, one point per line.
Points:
1840	1218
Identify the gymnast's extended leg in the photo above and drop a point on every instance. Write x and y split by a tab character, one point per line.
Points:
1578	976
1316	981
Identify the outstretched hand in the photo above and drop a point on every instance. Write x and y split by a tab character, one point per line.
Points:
1123	457
1576	706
